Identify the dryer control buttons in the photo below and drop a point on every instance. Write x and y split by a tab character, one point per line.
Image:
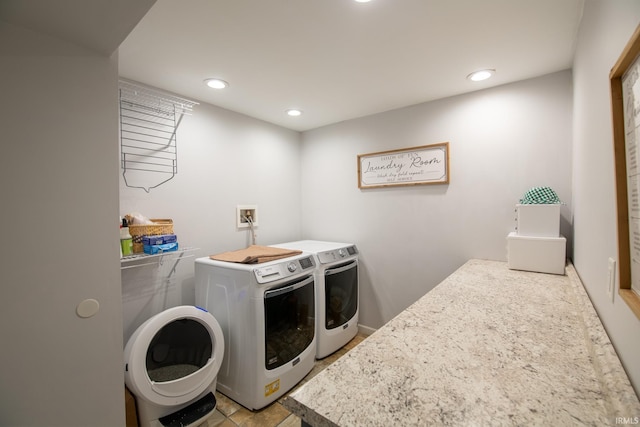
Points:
292	267
342	253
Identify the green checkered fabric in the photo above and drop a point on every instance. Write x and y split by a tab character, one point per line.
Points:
540	196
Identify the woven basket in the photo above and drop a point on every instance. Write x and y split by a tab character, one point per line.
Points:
137	231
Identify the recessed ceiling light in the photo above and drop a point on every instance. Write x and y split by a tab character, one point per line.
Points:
478	76
216	83
363	1
294	112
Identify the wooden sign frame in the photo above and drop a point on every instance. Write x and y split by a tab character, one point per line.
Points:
424	165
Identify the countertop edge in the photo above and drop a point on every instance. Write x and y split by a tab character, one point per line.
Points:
306	414
613	378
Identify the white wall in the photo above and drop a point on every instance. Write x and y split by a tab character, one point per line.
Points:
225	159
503	141
59	189
606	27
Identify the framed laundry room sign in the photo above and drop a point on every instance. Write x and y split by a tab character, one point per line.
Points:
625	106
427	164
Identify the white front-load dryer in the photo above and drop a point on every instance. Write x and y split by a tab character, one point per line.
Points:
337	292
171	363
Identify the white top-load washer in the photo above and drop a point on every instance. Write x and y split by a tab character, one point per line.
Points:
267	315
337	292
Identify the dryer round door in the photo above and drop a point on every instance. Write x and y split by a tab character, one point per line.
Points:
174	356
341	294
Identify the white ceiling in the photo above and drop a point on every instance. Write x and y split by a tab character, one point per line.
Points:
334	59
99	25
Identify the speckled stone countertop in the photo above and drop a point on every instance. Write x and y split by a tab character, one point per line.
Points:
487	346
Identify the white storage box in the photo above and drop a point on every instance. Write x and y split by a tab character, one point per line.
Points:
540	254
538	220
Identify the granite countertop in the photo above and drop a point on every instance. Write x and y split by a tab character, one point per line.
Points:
487	346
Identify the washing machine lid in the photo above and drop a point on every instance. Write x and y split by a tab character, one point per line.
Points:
174	356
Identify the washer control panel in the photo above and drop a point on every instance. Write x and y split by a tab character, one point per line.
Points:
271	272
337	254
292	267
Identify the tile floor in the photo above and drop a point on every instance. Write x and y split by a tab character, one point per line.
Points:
231	414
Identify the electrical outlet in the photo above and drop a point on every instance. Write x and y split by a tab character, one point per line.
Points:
246	214
611	286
